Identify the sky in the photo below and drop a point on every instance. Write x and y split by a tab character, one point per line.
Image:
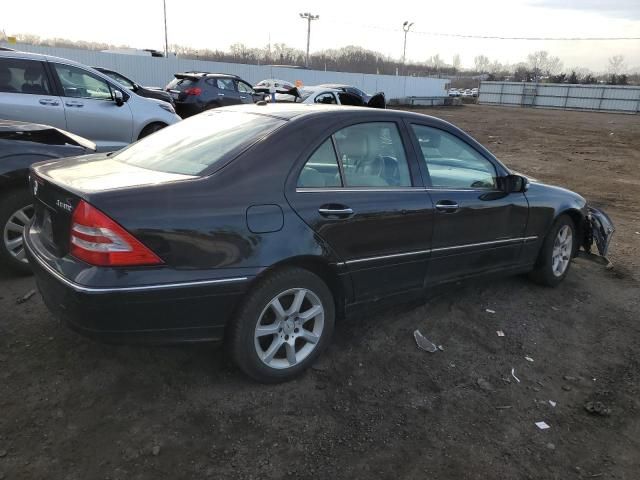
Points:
374	24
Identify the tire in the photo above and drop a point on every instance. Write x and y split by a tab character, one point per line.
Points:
268	357
554	259
16	209
151	128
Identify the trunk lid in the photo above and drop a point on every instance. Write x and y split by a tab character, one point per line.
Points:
58	187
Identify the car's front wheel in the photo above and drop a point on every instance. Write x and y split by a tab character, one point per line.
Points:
151	128
557	251
282	326
16	210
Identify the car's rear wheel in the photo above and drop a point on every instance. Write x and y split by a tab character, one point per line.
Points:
16	210
557	251
151	128
282	326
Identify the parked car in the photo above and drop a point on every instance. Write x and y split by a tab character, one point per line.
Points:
195	92
330	96
70	96
148	92
474	92
22	144
193	235
365	97
453	92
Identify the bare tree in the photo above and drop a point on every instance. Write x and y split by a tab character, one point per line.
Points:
456	63
616	64
482	63
541	63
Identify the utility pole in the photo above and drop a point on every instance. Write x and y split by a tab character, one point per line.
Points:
406	26
308	17
166	41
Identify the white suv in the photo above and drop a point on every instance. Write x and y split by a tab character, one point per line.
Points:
68	95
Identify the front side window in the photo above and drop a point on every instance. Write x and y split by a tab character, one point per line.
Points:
120	79
244	88
192	146
326	98
225	84
451	162
77	83
23	76
368	155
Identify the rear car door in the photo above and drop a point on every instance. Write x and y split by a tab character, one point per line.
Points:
477	226
360	190
91	110
27	93
227	92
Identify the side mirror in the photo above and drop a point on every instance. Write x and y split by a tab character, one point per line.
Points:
118	98
515	183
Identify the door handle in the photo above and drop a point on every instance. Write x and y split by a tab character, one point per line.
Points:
447	206
221	94
337	212
242	97
46	101
74	104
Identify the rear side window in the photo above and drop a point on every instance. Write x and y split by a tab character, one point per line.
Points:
23	76
181	83
192	146
368	155
322	168
226	84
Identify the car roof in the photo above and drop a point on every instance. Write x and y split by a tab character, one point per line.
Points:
318	88
207	74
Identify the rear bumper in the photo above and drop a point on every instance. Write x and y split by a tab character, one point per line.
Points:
162	313
188	109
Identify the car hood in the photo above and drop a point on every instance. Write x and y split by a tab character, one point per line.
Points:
98	172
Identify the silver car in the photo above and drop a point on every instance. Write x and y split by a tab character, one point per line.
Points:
68	95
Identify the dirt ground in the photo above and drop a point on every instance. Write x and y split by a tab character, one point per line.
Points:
374	406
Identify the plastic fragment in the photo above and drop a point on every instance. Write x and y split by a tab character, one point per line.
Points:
513	374
423	343
26	296
552	403
542	425
500	333
488	310
528	359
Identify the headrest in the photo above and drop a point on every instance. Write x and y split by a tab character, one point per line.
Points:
355	144
32	73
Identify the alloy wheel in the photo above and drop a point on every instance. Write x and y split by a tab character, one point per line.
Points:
13	231
289	328
562	250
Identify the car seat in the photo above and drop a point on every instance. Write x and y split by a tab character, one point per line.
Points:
33	74
5	81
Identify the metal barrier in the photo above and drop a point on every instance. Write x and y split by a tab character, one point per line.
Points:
599	98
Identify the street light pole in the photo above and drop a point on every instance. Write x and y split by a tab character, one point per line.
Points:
406	26
308	17
166	41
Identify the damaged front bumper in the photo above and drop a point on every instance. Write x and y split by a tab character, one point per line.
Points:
599	230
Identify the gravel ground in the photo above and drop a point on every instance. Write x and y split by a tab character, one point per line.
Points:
374	406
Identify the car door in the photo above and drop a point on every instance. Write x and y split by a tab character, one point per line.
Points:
91	110
360	190
246	92
228	94
326	98
27	93
477	226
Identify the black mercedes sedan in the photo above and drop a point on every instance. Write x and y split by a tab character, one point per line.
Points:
261	224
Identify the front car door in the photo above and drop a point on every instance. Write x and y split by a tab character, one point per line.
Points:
360	190
228	94
27	93
91	110
326	98
477	226
247	94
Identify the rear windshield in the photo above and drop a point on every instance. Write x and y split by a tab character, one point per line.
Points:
192	146
182	83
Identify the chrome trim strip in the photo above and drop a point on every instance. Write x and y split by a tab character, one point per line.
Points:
81	288
364	189
480	244
381	257
441	249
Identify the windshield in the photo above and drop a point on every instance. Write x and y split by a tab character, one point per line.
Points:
192	146
120	79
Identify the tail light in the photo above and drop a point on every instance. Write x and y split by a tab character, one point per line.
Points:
194	91
98	240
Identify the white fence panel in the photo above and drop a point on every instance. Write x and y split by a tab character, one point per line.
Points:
159	71
610	98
